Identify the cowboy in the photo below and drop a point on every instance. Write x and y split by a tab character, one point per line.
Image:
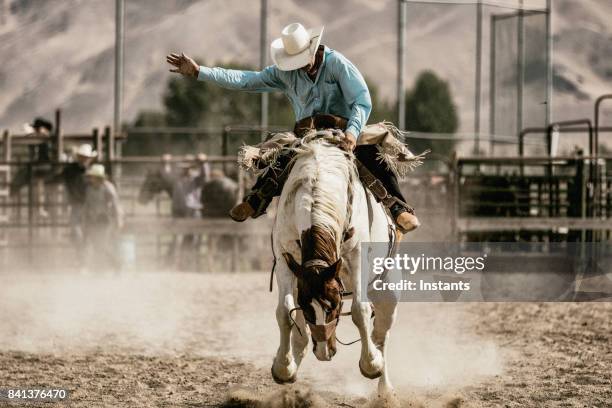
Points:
326	91
102	217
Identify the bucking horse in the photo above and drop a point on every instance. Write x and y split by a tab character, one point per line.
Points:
324	214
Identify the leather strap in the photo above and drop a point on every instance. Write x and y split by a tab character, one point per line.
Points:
378	189
319	121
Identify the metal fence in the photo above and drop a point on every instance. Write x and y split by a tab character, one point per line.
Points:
534	198
35	220
497	62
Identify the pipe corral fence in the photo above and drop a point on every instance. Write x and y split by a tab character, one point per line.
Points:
34	223
524	197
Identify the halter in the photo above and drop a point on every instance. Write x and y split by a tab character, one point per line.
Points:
323	332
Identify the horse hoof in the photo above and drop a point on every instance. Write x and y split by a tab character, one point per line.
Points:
370	376
280	381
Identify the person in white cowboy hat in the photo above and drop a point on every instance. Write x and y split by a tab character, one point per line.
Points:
325	90
102	217
72	175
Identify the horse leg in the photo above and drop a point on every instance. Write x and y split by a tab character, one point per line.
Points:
385	316
299	339
284	367
371	362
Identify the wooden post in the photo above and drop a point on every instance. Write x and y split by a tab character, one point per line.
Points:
97	143
455	173
6	145
54	195
5	170
30	204
108	150
58	136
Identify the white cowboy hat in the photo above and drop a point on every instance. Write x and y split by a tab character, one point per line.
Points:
296	46
86	150
96	170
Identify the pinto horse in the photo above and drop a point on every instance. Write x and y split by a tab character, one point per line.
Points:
323	217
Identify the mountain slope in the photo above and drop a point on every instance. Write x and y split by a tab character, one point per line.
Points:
60	53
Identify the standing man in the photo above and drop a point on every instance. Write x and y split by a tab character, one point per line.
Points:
73	177
325	90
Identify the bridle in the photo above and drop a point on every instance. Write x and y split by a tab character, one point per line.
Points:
323	332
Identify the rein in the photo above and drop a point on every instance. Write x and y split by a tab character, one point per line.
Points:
350	343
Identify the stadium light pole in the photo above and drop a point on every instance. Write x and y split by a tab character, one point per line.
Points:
549	62
520	46
263	59
119	40
401	100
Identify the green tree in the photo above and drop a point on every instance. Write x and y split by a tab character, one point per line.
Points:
430	109
150	118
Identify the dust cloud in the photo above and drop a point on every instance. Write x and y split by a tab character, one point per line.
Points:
432	351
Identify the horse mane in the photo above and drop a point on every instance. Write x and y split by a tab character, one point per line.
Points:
323	169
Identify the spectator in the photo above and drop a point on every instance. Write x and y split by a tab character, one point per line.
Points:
186	191
41	127
40	156
204	167
73	177
219	195
186	204
102	218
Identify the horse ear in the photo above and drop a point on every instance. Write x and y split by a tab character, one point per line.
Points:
332	271
292	264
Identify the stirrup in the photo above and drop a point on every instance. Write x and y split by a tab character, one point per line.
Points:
405	220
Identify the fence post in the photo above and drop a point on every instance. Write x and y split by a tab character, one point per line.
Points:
6	144
58	136
30	207
455	175
108	150
97	142
5	190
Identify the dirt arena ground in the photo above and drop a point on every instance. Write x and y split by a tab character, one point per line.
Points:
199	340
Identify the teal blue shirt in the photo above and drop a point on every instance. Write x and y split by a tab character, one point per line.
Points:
339	88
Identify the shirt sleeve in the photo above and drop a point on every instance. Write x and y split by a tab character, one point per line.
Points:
356	94
266	80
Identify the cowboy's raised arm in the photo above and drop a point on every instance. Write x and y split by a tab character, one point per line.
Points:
355	91
266	80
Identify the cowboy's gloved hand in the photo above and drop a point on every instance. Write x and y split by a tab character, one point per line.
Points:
350	140
184	64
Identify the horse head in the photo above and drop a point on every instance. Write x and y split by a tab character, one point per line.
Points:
319	288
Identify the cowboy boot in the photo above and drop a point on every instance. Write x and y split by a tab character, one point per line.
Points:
257	200
402	213
242	211
404	217
267	186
